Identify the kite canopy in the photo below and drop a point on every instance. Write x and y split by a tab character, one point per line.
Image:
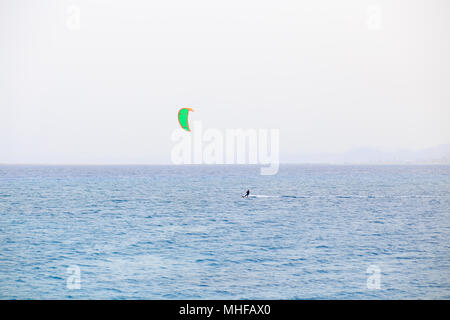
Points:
183	118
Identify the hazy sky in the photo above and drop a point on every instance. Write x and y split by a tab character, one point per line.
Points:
331	75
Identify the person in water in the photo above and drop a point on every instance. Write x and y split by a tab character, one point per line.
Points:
246	194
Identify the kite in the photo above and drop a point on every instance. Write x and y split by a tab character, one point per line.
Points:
183	118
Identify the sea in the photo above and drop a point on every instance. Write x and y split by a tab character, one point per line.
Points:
185	232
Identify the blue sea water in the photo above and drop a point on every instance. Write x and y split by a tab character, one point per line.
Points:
184	232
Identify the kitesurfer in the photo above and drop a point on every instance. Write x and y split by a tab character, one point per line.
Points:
246	194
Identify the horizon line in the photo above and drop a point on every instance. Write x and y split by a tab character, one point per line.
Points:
226	164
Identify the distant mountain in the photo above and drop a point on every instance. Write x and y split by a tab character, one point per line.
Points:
435	155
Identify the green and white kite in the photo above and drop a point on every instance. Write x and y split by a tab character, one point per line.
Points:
183	118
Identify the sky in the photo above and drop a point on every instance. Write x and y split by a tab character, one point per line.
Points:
99	82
